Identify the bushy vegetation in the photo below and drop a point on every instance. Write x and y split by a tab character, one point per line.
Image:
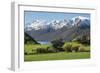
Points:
85	39
41	50
67	47
75	47
51	49
57	44
84	49
45	50
37	52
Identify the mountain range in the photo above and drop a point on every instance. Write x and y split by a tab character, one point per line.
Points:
67	29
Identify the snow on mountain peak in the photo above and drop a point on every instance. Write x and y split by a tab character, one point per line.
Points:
80	20
80	17
57	24
37	24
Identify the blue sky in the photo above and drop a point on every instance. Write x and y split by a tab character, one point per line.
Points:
30	16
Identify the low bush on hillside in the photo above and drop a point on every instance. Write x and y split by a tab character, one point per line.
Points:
41	50
45	50
51	50
67	47
83	49
85	39
75	47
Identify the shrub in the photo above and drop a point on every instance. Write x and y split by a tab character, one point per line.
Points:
50	50
60	49
85	39
25	53
41	50
83	49
57	44
67	47
75	47
45	50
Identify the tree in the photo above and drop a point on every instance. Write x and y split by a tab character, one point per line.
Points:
29	39
85	39
57	44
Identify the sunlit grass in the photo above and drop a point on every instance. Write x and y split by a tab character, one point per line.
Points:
57	56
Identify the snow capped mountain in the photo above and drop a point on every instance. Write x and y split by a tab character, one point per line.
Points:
28	27
36	25
39	24
60	24
79	17
80	20
57	24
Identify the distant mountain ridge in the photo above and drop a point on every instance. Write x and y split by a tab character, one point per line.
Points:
65	29
56	24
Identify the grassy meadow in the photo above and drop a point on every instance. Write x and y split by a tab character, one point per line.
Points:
32	55
57	56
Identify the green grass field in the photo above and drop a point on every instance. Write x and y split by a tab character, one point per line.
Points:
30	47
57	56
33	56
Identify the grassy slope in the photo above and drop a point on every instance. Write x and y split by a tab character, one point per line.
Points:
57	56
30	47
53	56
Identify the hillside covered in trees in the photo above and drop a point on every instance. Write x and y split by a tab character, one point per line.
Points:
28	39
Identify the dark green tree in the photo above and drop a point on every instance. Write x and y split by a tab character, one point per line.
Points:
85	39
57	44
29	40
